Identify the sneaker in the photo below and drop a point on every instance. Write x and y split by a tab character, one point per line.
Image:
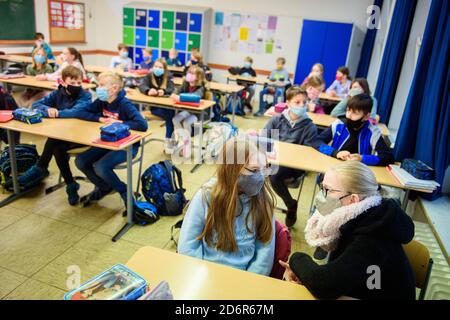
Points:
33	176
168	147
94	196
72	193
291	216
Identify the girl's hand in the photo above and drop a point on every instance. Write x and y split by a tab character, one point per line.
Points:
41	77
343	155
152	92
160	92
174	97
289	275
332	93
311	107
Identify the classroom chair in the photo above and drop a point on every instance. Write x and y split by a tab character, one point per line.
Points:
421	263
294	183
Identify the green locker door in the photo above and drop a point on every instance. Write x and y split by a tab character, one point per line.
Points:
128	36
168	20
153	38
128	17
194	41
167	40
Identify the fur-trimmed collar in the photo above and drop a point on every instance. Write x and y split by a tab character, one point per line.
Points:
323	231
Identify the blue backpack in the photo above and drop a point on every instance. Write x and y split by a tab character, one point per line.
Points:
162	186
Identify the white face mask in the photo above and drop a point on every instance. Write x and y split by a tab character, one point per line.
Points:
326	205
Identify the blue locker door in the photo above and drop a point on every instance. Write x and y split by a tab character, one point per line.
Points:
195	22
131	53
138	56
182	57
155	54
181	21
141	18
336	49
180	41
141	38
153	19
165	54
312	44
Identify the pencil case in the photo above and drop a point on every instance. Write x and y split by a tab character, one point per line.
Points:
27	115
116	283
189	97
114	132
418	169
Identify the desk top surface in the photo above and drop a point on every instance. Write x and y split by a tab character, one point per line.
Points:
215	86
195	279
71	130
30	81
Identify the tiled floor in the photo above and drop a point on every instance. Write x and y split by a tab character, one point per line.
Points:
42	238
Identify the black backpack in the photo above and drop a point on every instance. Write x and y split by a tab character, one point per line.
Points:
26	157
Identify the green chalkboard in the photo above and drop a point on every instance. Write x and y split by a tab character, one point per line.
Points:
17	20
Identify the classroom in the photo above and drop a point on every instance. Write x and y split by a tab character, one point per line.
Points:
277	150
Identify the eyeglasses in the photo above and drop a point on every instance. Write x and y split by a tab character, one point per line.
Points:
325	191
266	171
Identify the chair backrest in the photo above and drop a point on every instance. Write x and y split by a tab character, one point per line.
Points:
283	242
419	258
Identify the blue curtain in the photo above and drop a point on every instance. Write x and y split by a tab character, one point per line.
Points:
393	55
424	132
367	48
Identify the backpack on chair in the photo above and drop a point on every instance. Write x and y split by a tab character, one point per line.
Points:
162	186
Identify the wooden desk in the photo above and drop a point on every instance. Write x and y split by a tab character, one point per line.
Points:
31	82
326	96
101	69
194	279
255	80
325	120
19	58
178	71
76	131
309	159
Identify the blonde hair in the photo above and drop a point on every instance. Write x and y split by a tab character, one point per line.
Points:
149	51
319	65
356	178
224	194
198	56
113	77
199	75
249	59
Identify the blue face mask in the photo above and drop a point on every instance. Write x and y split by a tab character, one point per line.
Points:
252	184
158	72
124	54
194	62
39	59
299	110
102	94
247	65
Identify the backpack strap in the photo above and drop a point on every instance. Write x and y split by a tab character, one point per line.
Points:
174	173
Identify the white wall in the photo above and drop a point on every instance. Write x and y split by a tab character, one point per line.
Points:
110	33
42	25
409	63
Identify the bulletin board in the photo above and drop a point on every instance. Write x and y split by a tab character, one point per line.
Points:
67	21
245	33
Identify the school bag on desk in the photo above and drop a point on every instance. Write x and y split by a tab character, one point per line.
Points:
162	186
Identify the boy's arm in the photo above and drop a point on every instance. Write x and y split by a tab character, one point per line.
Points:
144	87
134	118
82	103
45	103
170	88
322	141
89	112
384	155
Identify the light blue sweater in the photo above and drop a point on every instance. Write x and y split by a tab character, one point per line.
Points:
341	108
252	255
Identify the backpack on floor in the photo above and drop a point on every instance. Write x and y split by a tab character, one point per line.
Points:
162	186
26	157
216	135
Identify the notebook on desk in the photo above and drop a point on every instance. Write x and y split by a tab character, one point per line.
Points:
117	144
190	104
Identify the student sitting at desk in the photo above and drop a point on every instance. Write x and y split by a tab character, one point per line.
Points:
147	59
122	61
230	220
316	70
361	230
194	83
355	138
248	71
38	66
280	75
70	57
40	43
173	58
61	103
197	60
341	86
359	85
159	83
293	126
314	87
97	163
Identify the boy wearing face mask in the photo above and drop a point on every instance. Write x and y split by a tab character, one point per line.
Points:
159	83
293	126
61	103
96	163
248	71
230	219
173	58
122	61
355	138
147	59
41	44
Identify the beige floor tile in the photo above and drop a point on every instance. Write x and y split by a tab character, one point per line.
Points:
33	242
92	255
35	290
9	281
10	215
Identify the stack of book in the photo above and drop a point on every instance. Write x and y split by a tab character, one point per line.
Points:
410	181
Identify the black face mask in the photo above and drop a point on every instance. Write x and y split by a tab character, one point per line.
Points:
355	125
73	90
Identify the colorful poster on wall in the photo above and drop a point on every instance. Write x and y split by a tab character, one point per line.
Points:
246	33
